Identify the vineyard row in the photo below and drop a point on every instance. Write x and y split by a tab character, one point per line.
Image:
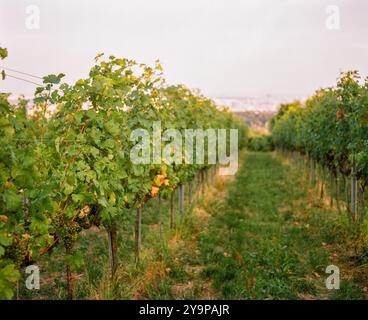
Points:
65	163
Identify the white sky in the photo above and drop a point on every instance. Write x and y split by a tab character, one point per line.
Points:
223	47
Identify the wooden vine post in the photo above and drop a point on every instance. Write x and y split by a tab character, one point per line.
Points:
69	276
172	210
361	203
202	182
160	215
331	187
322	181
301	160
346	190
138	236
198	184
313	171
181	198
214	171
354	187
307	161
190	190
112	235
337	191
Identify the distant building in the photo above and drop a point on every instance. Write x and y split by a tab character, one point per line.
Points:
263	104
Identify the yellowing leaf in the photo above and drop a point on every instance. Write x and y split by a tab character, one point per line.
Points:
112	197
26	236
159	180
3	219
84	212
164	170
8	184
154	191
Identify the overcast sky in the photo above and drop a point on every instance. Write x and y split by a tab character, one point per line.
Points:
223	47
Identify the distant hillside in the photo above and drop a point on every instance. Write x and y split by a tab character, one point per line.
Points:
256	119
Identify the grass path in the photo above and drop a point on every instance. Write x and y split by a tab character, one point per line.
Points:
269	240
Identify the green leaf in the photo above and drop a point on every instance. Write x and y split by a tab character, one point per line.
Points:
112	127
98	56
5	241
57	144
13	201
68	189
10	273
78	198
3	53
53	79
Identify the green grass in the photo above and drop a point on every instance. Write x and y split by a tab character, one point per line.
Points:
267	237
265	228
